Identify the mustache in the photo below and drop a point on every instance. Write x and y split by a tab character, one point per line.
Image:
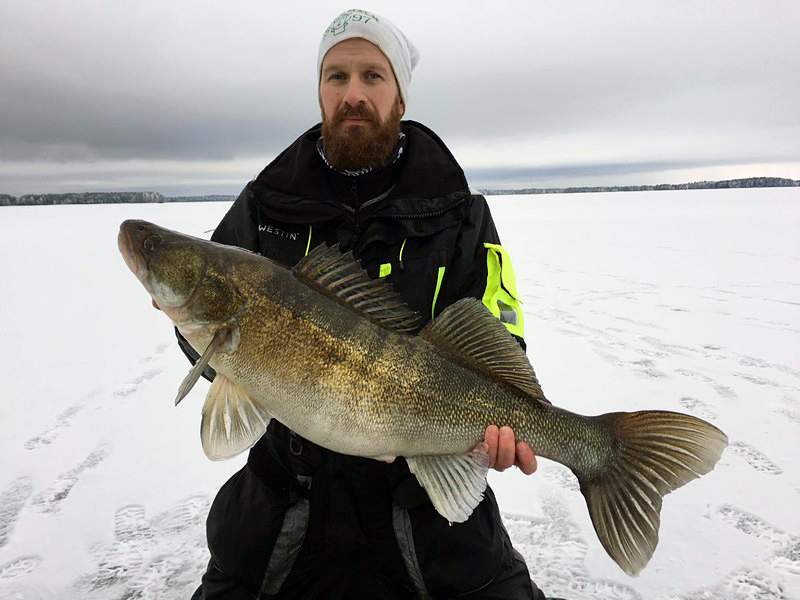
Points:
360	111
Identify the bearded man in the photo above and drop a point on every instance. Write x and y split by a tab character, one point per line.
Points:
300	521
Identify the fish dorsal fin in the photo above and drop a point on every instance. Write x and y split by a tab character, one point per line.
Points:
454	482
341	277
468	330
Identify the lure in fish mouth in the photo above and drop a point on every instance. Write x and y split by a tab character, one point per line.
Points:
340	359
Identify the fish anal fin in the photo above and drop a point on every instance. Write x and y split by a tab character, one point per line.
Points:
232	421
342	278
469	331
658	452
455	483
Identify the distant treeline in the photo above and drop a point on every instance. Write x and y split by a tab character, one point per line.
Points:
103	198
749	182
147	197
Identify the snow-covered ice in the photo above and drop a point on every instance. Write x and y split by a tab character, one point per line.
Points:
683	300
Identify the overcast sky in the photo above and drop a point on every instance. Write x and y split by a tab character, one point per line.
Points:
196	97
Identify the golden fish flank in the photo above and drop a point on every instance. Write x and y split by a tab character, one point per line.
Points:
342	361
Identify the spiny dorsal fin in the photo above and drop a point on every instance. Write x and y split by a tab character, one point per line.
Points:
342	277
469	331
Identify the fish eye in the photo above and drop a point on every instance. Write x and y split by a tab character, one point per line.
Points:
151	242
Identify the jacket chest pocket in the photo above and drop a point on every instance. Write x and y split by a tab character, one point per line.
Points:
415	269
286	243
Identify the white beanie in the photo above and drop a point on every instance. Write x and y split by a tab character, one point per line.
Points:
354	23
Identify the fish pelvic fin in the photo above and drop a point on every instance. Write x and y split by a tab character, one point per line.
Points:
232	421
341	277
470	333
454	482
657	452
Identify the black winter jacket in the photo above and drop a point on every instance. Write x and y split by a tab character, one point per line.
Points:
358	527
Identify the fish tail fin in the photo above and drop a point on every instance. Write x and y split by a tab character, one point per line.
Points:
656	452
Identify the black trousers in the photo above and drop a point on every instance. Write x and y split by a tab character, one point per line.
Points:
356	532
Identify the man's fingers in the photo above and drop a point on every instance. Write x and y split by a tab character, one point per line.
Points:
526	459
491	437
506	450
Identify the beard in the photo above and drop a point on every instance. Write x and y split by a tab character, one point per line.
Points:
357	147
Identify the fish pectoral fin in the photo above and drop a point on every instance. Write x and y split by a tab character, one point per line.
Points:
220	337
454	482
232	420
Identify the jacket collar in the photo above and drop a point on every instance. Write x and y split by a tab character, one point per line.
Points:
299	186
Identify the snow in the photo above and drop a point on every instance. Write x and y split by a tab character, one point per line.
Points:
681	300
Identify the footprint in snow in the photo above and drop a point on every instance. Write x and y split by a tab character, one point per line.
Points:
158	578
50	499
577	586
562	477
757	380
162	557
132	386
722	390
130	524
754	525
121	560
782	556
755	458
790	414
19	567
752	361
555	553
157	353
191	513
646	368
12	500
667	348
63	421
698	407
742	584
643	367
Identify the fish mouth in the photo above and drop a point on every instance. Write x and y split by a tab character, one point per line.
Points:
127	248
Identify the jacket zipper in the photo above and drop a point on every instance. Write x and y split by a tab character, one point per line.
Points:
427	215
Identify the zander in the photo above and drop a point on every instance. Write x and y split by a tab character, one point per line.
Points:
340	359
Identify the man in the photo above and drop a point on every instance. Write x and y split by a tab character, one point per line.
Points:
299	521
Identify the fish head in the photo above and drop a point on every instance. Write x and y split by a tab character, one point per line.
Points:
185	276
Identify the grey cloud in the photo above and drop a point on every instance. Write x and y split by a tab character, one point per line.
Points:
544	176
602	84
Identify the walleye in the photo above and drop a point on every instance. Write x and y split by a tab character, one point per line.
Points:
341	360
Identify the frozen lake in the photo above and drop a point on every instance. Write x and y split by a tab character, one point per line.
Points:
681	300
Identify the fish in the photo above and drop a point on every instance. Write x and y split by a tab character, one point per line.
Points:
339	358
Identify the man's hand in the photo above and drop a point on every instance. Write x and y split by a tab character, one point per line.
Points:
503	452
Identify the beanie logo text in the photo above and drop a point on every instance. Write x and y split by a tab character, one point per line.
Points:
339	26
